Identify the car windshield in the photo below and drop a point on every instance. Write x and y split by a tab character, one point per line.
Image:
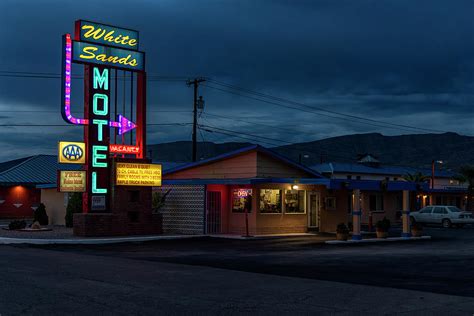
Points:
453	209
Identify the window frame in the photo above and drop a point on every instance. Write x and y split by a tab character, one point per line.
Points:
260	201
232	201
304	202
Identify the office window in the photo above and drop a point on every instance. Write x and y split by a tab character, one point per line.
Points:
294	201
241	199
270	201
376	202
349	177
358	178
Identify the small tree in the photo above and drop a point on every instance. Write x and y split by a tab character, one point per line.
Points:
418	178
158	200
74	205
40	215
466	175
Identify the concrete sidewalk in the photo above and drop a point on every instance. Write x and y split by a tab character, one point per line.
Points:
91	240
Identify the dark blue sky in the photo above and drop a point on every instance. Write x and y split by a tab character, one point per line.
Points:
408	62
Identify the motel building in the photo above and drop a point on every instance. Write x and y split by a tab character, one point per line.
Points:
29	181
280	196
211	196
379	203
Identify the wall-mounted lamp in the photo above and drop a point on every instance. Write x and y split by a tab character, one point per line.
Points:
295	187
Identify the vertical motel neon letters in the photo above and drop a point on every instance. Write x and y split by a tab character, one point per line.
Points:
98	133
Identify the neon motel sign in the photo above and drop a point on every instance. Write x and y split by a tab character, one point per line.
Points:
101	47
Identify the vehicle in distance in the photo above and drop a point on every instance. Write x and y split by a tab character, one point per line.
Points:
446	215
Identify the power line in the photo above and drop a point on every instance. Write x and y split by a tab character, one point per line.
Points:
345	116
268	140
70	125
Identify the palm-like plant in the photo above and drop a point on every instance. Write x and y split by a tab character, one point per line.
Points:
417	177
466	175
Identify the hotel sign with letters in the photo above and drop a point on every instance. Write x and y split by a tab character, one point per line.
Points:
103	50
72	181
72	152
138	174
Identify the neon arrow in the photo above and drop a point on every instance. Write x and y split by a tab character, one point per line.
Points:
124	125
66	76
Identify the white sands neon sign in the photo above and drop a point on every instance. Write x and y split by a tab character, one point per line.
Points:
124	125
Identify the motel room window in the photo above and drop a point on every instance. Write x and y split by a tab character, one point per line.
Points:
270	201
376	202
294	201
241	199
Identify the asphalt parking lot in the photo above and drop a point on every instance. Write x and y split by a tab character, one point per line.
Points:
442	265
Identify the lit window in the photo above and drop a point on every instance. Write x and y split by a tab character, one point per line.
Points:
294	201
241	200
270	201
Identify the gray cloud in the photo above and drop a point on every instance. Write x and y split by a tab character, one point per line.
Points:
403	61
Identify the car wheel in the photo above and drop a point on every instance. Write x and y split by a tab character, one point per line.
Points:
412	220
446	223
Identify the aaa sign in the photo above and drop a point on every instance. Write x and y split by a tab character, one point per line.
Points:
138	174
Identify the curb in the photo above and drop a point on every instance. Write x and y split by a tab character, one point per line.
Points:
376	240
90	241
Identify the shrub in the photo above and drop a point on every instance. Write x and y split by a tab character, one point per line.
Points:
74	205
17	225
158	200
342	229
383	225
417	226
40	215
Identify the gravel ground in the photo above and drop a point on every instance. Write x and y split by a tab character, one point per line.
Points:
57	232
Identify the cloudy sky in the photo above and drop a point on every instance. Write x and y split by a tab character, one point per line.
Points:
290	71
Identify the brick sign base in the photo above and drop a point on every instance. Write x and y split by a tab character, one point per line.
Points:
130	212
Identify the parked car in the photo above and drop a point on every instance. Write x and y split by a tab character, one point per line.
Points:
445	215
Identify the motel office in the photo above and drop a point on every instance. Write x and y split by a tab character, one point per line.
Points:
211	196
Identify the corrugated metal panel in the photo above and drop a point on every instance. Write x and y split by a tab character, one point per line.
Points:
183	212
40	169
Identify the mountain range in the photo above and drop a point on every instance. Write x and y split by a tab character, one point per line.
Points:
416	150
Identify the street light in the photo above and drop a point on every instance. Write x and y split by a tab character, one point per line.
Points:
433	171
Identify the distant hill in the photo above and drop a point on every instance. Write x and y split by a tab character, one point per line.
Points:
417	150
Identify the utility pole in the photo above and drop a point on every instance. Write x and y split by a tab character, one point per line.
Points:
195	83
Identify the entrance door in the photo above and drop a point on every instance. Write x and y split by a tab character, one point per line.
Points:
313	210
213	212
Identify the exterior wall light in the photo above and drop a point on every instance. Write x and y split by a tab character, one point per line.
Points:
295	187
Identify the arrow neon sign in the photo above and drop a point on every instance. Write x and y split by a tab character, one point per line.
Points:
124	125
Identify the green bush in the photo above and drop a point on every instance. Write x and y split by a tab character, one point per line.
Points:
40	215
17	225
74	205
383	225
342	229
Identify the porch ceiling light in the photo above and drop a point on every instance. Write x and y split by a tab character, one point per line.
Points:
295	187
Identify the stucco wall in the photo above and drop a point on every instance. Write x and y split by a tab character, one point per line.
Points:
242	166
56	203
24	197
330	218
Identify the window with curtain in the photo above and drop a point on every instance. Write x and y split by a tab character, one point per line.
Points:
270	201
